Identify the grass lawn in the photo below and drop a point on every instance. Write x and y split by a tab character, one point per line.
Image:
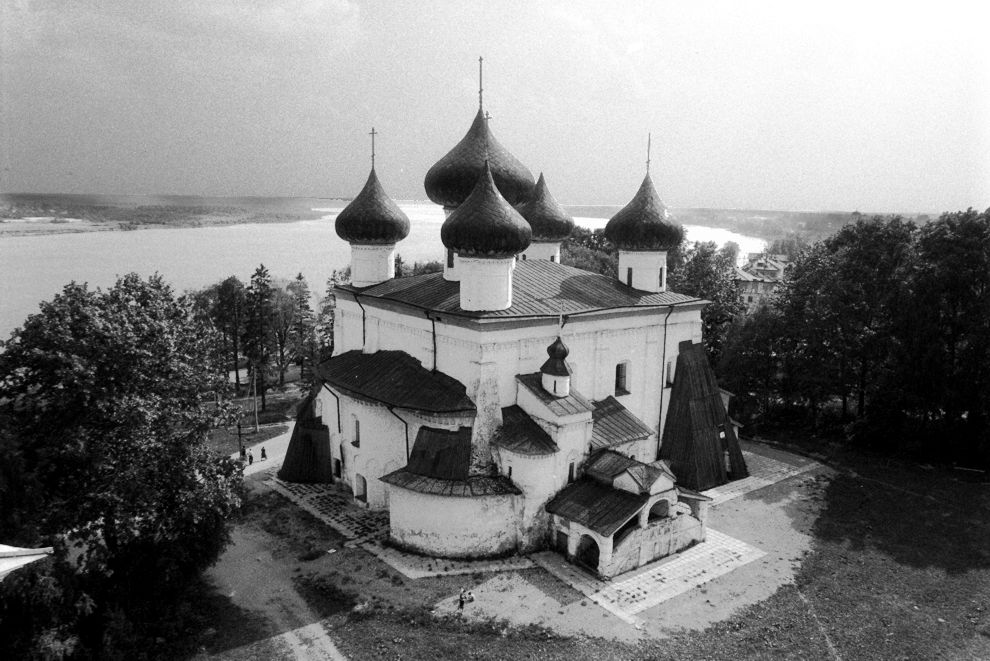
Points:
899	569
225	442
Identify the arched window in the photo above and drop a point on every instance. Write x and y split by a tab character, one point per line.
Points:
629	276
450	258
357	433
622	379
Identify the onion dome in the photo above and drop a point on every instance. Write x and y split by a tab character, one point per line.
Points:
372	218
545	215
452	178
644	223
556	364
485	224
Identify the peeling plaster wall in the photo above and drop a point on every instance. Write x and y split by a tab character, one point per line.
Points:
658	540
453	527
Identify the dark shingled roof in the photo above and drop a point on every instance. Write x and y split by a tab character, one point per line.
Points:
485	225
644	223
615	424
695	419
397	379
556	364
440	453
453	177
372	217
474	486
520	434
596	506
560	406
540	288
545	215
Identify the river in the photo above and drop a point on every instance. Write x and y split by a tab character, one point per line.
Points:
35	268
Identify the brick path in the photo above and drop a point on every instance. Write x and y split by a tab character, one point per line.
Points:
336	508
418	566
763	471
657	582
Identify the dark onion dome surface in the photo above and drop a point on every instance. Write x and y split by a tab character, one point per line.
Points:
545	215
485	224
556	364
372	218
644	223
452	178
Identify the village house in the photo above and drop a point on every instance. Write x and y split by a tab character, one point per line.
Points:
510	403
759	277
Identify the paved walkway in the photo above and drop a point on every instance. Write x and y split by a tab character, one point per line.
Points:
763	471
337	509
652	584
275	449
419	566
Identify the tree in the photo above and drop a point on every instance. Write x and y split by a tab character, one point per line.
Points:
709	272
229	317
304	338
258	329
106	398
325	317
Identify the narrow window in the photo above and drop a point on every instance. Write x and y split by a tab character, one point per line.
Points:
555	385
670	373
524	257
336	467
620	379
553	258
357	433
629	276
450	258
510	471
570	473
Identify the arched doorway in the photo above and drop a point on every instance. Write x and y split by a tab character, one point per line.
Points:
360	488
660	510
587	552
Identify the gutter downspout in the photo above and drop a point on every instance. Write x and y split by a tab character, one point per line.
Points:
663	377
433	321
334	395
392	411
364	324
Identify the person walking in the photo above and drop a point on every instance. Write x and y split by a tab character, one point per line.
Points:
460	599
250	457
264	455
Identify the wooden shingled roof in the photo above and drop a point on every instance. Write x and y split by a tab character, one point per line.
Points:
397	379
696	419
615	424
596	506
520	434
540	288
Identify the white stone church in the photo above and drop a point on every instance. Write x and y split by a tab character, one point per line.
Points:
511	403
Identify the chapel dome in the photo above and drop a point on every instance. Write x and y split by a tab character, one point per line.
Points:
644	223
485	224
545	215
452	178
556	364
372	217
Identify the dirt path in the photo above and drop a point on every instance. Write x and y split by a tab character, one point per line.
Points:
254	580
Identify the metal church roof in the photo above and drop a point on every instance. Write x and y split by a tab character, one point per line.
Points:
397	379
372	217
540	288
545	215
485	224
596	506
520	434
571	404
644	223
615	424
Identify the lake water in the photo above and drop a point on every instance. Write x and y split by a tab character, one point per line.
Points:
35	268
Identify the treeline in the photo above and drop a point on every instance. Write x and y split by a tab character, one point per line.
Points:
881	332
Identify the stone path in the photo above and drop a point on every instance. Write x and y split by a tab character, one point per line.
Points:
763	471
657	582
418	566
336	508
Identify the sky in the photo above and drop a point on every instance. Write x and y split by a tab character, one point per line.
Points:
869	106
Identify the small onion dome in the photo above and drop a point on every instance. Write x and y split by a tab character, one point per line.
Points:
372	218
545	215
452	178
644	223
556	364
485	224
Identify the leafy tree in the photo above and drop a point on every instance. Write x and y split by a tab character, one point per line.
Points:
258	329
106	398
324	319
304	338
751	357
709	272
224	304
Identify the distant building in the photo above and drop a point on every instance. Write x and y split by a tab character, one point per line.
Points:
511	403
759	278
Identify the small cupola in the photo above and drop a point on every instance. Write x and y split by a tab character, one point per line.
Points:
555	372
372	223
486	233
550	223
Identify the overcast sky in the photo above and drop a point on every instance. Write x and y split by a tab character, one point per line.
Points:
844	106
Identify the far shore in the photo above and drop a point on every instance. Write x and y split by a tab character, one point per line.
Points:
10	227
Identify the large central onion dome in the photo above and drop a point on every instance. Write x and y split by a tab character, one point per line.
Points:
452	178
372	218
485	224
545	215
644	223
